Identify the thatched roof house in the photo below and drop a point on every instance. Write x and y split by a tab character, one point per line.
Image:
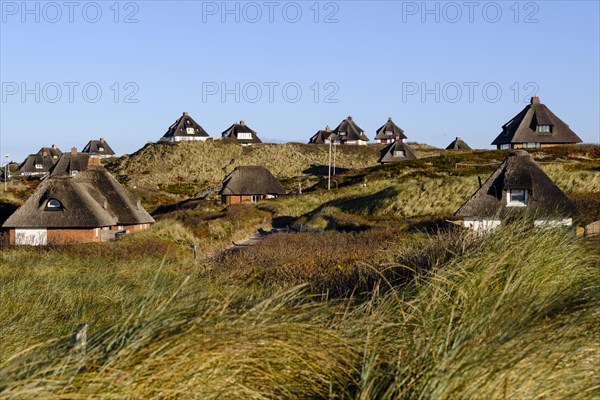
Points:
88	207
98	148
40	163
321	137
519	187
250	183
185	129
535	126
242	133
389	132
395	152
72	163
349	133
458	144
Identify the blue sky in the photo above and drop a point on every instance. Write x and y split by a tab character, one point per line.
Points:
125	71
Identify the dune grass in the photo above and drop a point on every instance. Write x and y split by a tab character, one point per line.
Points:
520	321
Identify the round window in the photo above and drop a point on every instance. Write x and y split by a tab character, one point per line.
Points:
53	203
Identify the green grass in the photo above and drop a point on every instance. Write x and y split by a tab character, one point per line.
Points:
517	322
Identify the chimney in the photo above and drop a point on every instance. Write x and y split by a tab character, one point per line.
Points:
535	100
458	138
349	118
327	129
73	150
242	122
102	140
389	119
53	146
185	114
93	162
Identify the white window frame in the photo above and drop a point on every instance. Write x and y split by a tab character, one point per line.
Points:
39	166
399	153
54	203
505	146
517	203
255	197
189	130
531	145
244	135
544	129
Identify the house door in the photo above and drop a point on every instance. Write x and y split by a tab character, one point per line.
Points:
31	237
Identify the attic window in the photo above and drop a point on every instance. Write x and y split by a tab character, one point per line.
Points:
544	129
517	197
342	133
53	204
74	172
244	135
38	166
399	153
190	131
100	148
389	133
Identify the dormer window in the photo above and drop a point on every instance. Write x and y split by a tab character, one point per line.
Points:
244	135
100	149
74	172
342	133
39	166
399	153
190	131
517	197
544	129
389	133
53	205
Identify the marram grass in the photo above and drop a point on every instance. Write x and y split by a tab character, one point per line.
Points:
514	315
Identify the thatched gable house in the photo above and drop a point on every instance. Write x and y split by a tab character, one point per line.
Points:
458	144
72	163
389	133
88	207
250	183
535	126
40	163
349	133
98	148
321	137
396	152
185	129
519	187
242	133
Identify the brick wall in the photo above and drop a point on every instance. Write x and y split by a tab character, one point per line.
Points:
70	236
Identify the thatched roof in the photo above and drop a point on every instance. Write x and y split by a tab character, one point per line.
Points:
91	199
458	144
98	147
523	128
234	131
389	130
321	136
396	152
46	157
517	171
70	162
180	128
348	130
251	180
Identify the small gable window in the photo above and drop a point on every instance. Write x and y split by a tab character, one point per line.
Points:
53	204
342	133
517	197
544	129
244	135
101	149
190	131
74	172
389	133
399	153
38	166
